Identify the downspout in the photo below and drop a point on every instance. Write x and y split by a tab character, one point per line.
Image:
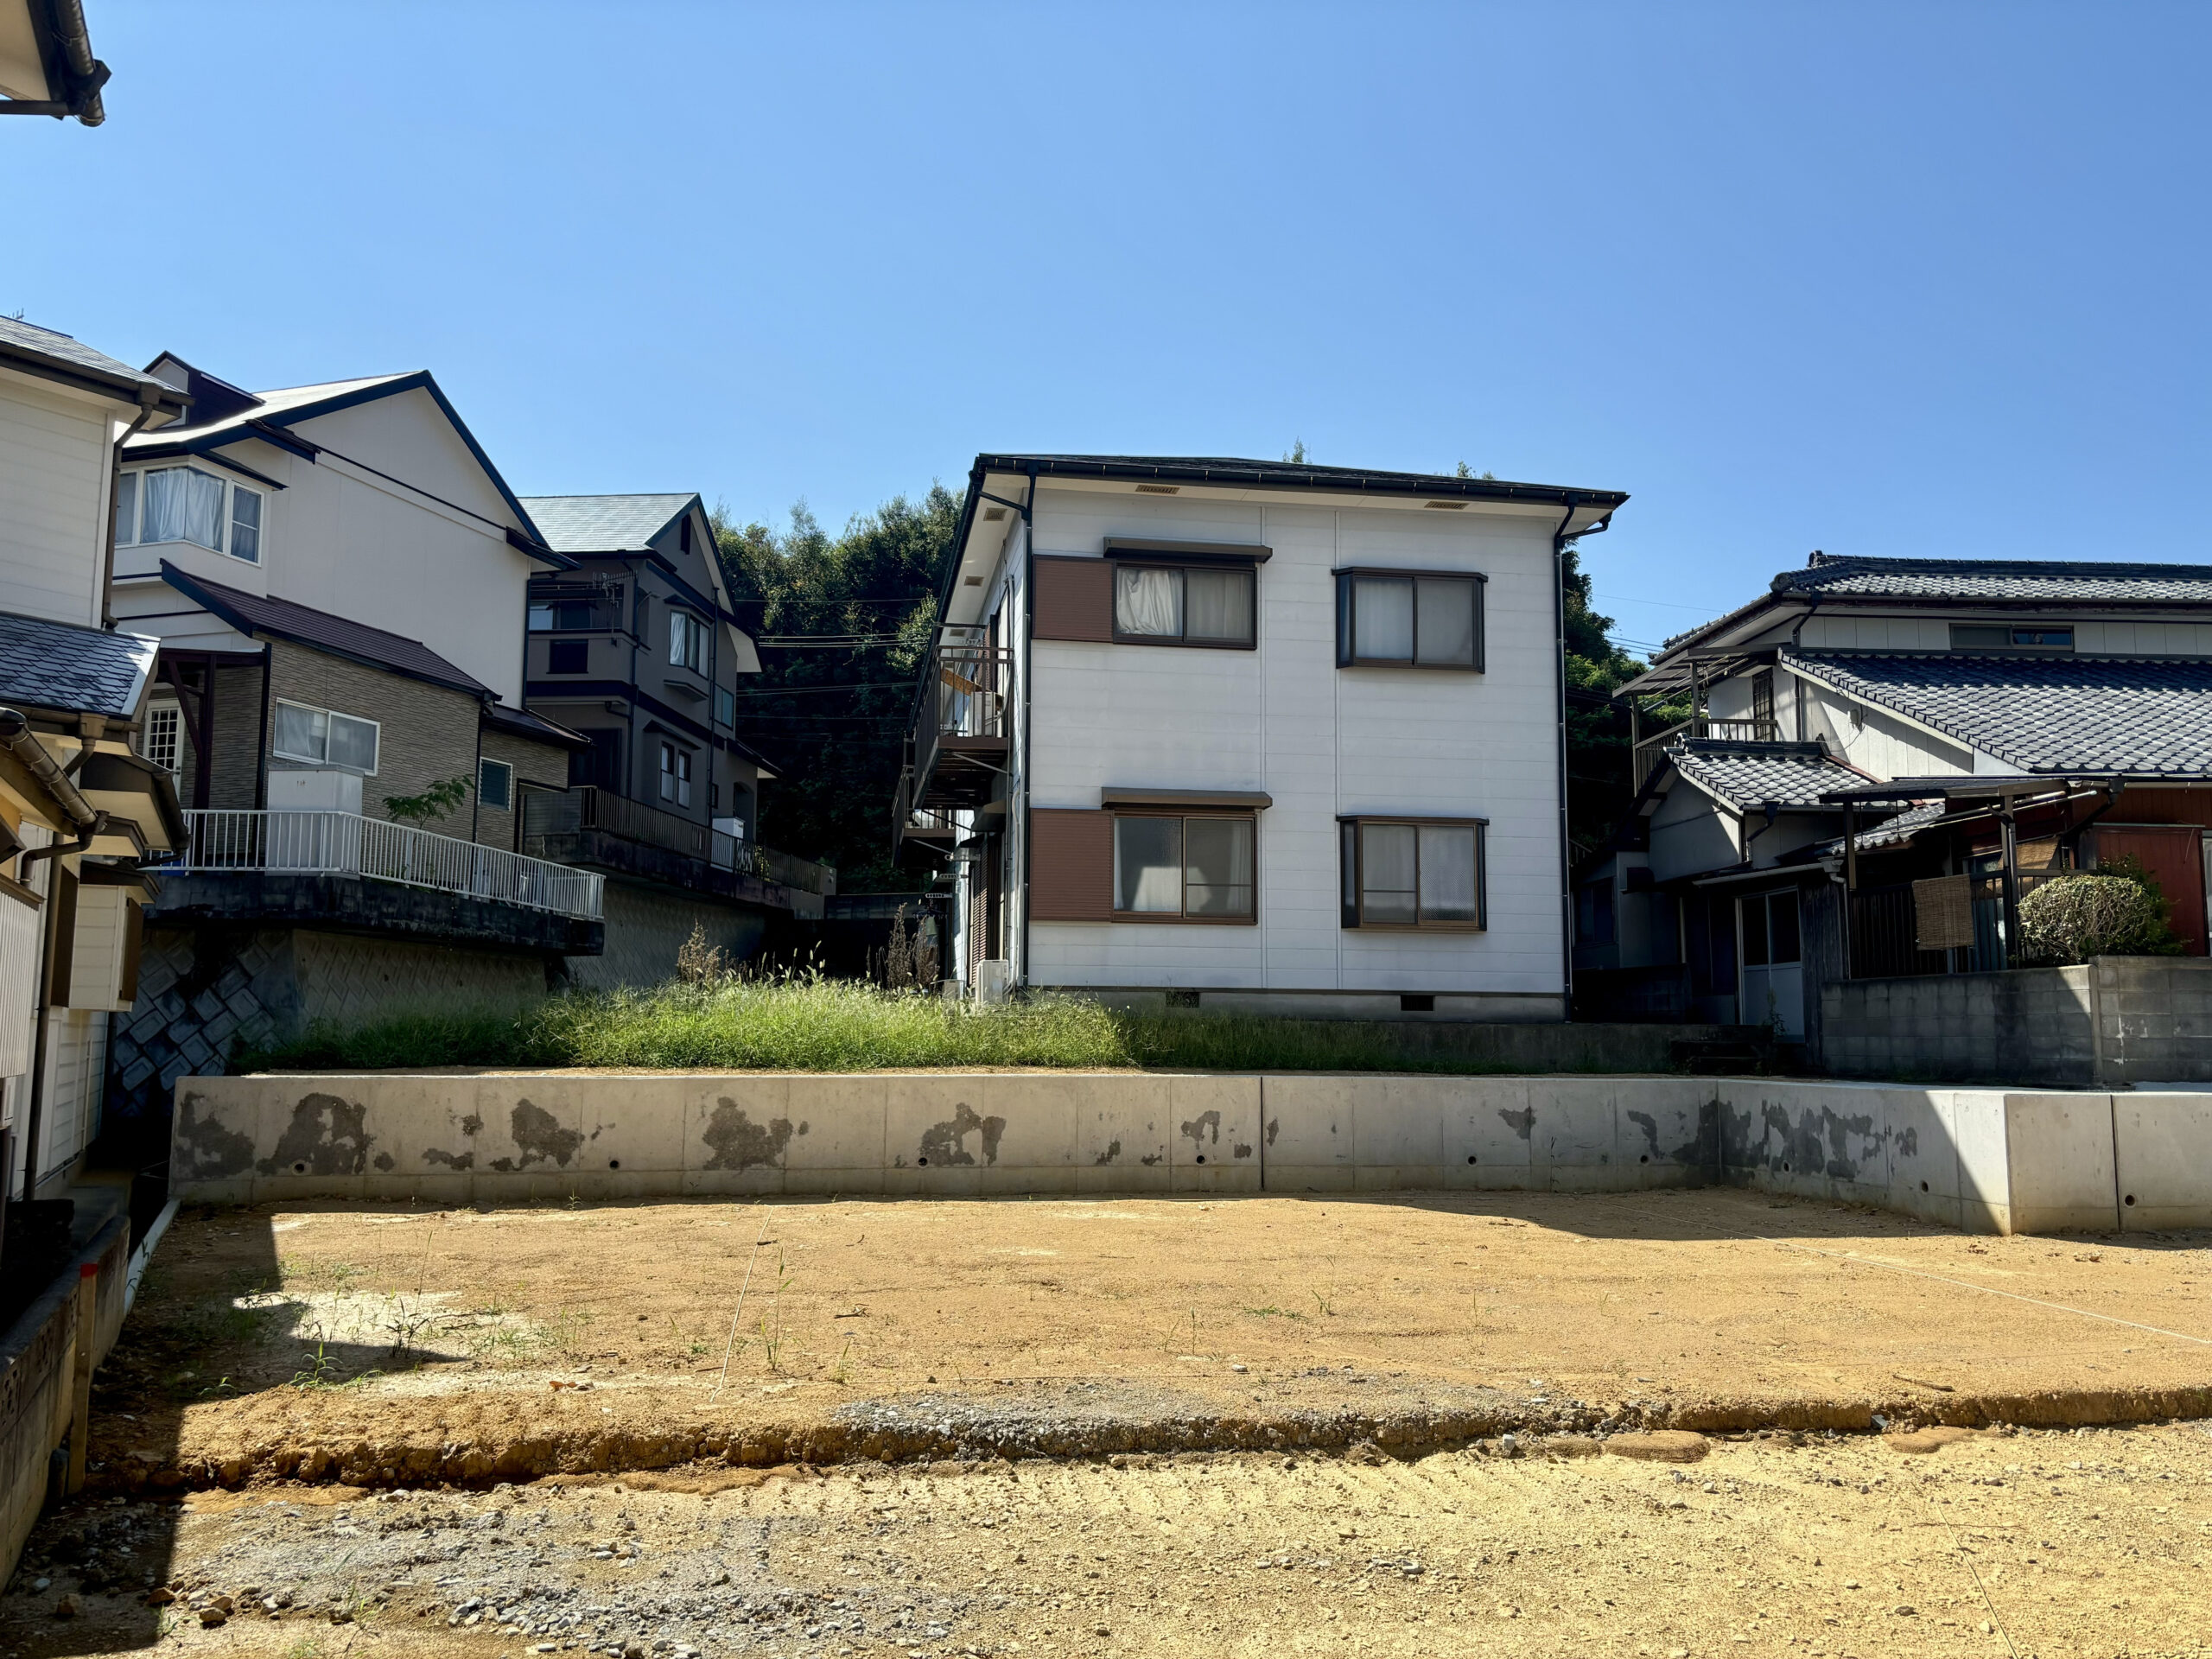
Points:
261	738
150	398
1028	662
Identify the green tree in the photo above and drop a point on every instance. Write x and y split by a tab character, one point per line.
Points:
832	716
1599	785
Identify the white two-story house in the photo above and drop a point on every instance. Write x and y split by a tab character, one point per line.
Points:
1250	735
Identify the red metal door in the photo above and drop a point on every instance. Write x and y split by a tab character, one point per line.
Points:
2174	854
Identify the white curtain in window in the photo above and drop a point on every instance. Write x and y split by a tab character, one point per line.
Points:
1148	864
1217	605
1218	866
126	509
182	504
245	524
302	734
1383	620
1447	873
1447	623
676	636
1148	601
1386	872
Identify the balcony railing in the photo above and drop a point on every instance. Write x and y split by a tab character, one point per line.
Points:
568	811
314	841
1760	728
966	711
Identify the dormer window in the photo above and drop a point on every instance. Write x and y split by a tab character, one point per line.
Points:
186	504
1999	636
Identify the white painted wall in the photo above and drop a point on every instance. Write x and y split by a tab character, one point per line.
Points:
341	539
1322	741
54	457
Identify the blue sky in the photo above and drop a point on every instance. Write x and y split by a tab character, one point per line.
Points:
1926	279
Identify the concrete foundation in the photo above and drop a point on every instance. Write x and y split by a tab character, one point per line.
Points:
1986	1160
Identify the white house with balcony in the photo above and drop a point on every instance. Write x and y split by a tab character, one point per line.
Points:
1248	736
337	577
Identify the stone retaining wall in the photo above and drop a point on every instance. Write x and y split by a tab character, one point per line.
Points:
1985	1160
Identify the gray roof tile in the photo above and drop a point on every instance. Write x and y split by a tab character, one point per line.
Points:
2013	579
602	524
1749	775
82	671
2044	713
252	613
60	348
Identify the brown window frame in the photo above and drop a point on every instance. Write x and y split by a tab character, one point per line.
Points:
1346	576
1181	917
1116	562
1352	894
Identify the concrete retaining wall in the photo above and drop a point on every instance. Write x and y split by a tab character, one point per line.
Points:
1988	1160
2115	1022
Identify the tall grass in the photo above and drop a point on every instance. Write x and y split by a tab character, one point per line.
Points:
816	1024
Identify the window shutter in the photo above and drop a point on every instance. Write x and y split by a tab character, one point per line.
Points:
1070	866
1074	599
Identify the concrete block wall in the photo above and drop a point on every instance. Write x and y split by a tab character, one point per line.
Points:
1985	1161
2153	1019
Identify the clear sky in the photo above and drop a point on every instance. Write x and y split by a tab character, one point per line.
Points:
1927	279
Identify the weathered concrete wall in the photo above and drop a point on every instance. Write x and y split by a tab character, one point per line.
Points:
1984	1160
645	928
38	1361
2115	1022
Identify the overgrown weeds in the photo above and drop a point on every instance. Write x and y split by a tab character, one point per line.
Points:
807	1023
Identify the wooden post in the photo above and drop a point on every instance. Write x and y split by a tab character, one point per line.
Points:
80	1392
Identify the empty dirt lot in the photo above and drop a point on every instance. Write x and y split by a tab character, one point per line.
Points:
376	1345
2045	1543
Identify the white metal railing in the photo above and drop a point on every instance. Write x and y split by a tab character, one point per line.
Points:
346	843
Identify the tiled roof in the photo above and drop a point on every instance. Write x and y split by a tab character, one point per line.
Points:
2014	579
1749	775
250	614
78	670
19	337
602	524
523	722
1889	833
2044	713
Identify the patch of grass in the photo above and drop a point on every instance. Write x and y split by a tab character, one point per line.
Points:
811	1024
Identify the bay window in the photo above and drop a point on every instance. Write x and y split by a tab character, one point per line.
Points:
1409	618
187	503
1421	873
1171	868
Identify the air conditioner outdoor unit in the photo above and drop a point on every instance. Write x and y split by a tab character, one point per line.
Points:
993	981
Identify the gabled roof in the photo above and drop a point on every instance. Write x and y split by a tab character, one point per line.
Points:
2042	713
1237	472
72	670
279	619
2063	582
53	355
605	523
270	417
1746	776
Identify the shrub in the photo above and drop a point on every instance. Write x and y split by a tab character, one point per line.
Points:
2114	912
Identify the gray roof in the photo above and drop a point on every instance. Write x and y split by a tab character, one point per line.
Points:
75	670
1241	472
2063	581
28	343
253	614
603	523
2044	713
1747	776
1890	832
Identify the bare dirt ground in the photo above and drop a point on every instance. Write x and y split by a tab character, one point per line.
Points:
376	1345
2048	1544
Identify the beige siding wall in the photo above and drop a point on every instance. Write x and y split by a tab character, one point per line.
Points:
534	763
428	732
54	479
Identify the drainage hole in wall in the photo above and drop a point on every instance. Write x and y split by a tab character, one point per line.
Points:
1923	1186
1645	1159
1471	1157
1202	1157
2131	1198
921	1160
614	1163
1785	1169
300	1168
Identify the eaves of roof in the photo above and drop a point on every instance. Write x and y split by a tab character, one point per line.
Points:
83	369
